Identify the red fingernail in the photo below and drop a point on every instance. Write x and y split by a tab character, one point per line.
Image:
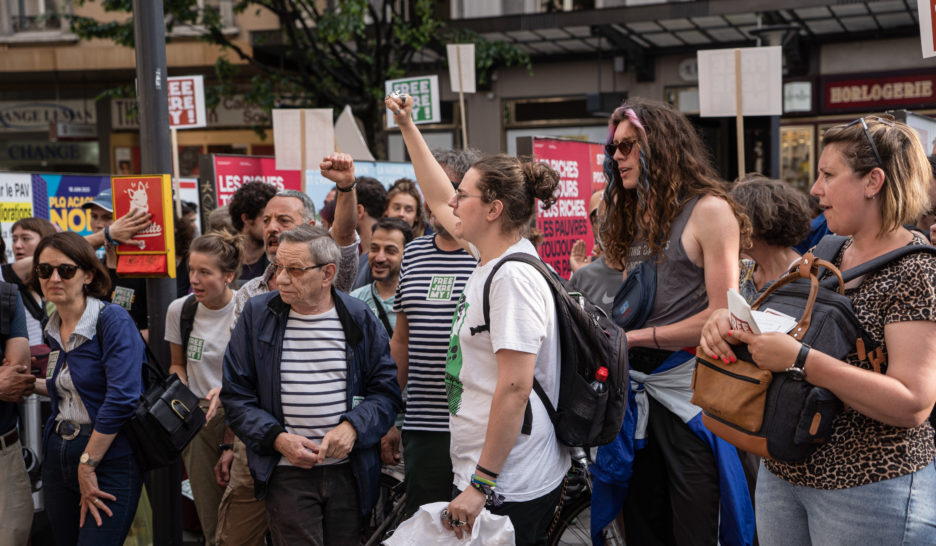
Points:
733	359
729	332
715	356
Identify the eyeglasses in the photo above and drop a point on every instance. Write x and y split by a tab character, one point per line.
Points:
624	146
864	125
459	195
294	272
65	271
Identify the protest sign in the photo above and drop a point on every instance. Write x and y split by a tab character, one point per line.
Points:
425	93
187	102
579	166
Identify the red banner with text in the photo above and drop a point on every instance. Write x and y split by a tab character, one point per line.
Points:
232	172
580	174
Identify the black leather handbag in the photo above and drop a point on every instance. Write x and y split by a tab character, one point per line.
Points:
166	419
167	416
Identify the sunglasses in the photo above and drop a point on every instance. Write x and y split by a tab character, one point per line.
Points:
886	121
624	146
65	271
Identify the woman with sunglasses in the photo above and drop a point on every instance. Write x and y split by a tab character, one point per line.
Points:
874	480
489	375
214	260
91	481
669	209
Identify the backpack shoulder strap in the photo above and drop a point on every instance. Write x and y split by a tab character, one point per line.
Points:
534	261
8	292
187	320
829	246
877	263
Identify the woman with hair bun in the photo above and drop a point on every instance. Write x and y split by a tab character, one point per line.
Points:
214	262
489	375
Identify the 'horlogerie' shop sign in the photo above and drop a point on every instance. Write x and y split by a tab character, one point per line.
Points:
880	93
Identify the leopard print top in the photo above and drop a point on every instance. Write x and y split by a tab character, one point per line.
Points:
862	450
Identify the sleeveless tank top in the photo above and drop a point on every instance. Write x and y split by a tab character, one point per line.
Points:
680	291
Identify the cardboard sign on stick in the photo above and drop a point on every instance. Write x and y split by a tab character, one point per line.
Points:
303	137
461	61
425	93
927	9
187	102
762	82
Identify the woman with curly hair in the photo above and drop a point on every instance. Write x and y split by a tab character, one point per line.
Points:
669	209
780	218
405	202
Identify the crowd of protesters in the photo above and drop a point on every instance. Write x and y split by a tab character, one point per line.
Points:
302	334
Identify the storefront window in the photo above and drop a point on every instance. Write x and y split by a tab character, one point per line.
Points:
797	155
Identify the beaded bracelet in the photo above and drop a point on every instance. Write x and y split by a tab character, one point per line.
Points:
486	487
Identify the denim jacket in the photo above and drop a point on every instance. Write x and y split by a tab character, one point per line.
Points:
252	397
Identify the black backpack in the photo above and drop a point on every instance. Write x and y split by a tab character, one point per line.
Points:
588	339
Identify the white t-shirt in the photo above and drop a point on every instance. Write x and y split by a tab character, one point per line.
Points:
523	318
207	343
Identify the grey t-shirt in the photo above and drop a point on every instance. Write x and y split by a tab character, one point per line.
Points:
598	282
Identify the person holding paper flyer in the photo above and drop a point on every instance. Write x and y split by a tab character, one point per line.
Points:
874	480
671	222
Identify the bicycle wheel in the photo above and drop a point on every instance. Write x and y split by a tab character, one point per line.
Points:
574	527
389	507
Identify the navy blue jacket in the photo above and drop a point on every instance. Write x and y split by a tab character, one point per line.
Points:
109	383
252	398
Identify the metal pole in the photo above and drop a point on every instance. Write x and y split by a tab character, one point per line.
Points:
164	485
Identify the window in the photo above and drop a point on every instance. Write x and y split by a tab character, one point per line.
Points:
39	19
224	10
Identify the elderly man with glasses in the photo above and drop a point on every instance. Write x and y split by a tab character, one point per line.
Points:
310	387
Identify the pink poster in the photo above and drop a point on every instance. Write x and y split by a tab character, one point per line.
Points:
233	171
579	168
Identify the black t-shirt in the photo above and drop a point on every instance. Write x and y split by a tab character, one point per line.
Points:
254	270
131	295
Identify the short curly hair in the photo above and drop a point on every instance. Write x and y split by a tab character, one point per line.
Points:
779	214
372	195
249	199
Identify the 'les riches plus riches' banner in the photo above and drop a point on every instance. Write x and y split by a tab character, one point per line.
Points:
579	167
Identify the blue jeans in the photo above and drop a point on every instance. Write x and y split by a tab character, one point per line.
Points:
896	511
120	477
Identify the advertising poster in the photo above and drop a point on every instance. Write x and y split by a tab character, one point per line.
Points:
233	171
579	168
66	194
16	197
153	251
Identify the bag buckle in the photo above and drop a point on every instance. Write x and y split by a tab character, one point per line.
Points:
76	430
176	411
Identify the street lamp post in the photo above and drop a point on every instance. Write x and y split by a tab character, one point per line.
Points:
163	485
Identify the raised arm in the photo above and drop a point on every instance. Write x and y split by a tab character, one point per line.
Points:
339	168
434	183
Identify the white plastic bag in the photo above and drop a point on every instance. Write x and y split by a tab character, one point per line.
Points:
425	528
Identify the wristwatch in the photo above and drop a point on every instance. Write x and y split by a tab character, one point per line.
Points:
797	371
86	459
224	447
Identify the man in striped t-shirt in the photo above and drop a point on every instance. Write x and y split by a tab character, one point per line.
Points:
310	388
432	277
